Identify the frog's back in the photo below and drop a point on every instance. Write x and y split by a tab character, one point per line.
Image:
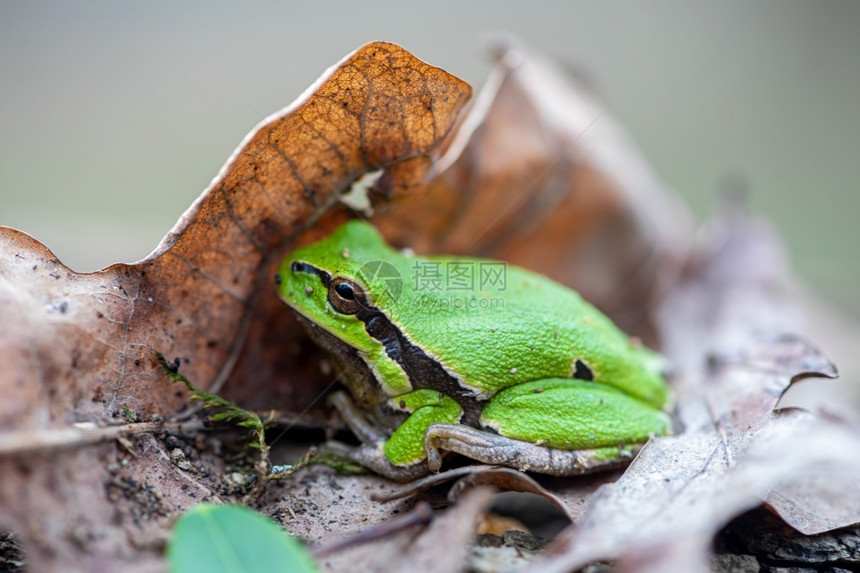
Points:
509	325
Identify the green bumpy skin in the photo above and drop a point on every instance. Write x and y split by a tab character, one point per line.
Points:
501	343
572	414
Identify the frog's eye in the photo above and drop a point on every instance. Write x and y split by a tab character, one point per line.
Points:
345	296
345	291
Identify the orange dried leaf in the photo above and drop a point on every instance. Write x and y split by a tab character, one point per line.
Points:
82	347
85	343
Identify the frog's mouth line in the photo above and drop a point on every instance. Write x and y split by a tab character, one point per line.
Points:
422	370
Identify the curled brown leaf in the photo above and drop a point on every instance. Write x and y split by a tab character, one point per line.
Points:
540	175
83	347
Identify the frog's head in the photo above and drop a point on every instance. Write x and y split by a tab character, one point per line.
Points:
338	282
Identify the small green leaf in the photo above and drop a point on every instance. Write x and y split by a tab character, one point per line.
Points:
233	539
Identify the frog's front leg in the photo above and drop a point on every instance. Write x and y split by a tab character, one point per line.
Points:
366	432
557	426
372	457
399	457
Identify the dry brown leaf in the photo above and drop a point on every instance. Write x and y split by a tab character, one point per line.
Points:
88	341
81	347
540	175
723	326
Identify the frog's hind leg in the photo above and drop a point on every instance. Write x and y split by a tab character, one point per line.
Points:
490	448
556	426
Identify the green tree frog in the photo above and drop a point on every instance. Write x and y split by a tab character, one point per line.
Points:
453	354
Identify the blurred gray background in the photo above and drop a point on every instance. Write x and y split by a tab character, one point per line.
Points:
115	115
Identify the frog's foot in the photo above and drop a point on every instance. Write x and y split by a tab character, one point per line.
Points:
372	456
490	448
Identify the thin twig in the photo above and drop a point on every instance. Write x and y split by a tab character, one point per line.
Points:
80	435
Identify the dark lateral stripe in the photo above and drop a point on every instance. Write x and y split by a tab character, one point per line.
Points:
302	267
422	370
